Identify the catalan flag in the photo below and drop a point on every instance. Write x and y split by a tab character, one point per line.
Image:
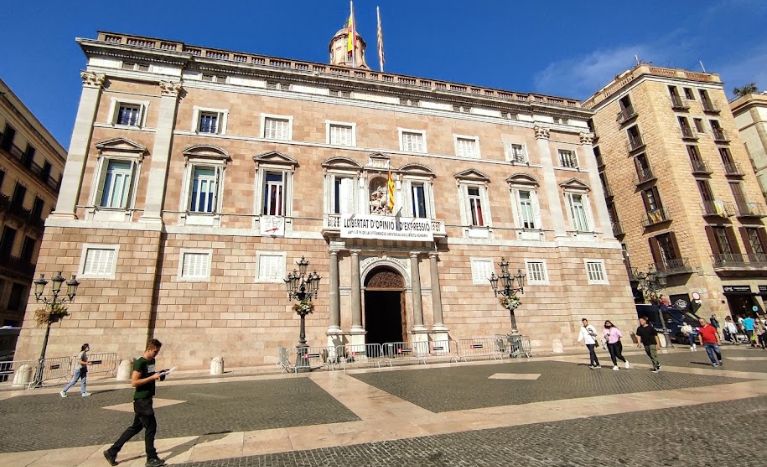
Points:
350	41
390	192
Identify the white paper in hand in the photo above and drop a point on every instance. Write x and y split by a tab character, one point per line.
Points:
167	372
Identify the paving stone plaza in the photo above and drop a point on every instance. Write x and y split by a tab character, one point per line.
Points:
551	411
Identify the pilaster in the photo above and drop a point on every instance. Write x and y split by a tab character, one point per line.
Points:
439	332
550	186
597	190
415	282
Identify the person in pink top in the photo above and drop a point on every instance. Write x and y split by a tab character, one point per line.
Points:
613	339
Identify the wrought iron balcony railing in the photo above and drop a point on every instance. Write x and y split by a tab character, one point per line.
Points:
718	208
720	135
644	176
669	267
626	114
700	167
678	103
657	216
733	169
749	209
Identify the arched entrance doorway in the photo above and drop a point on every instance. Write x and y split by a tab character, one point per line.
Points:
385	306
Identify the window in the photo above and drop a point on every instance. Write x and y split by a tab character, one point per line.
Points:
128	114
116	187
2	177
517	153
99	261
481	269
528	212
412	141
568	159
536	272
684	124
16	299
340	134
595	271
635	138
688	94
278	128
665	252
755	242
195	265
466	146
578	213
208	122
17	199
418	197
271	266
342	201
27	249
699	125
6	242
204	190
643	168
274	194
475	206
6	141
723	240
37	209
705	190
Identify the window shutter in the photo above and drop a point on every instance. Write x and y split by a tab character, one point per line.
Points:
712	240
536	209
672	237
655	251
732	240
762	238
100	182
746	242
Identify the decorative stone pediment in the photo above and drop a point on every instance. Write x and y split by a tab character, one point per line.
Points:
473	175
575	185
121	147
342	163
416	169
275	158
200	151
379	161
521	179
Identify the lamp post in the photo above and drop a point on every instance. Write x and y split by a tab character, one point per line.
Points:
54	311
508	290
651	283
302	286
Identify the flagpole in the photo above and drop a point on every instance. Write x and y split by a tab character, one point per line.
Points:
380	40
353	32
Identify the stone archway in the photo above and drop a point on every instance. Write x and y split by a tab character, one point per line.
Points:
385	319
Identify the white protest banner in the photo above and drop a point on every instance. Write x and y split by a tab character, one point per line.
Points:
386	228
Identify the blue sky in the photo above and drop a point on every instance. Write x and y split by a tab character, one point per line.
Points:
567	48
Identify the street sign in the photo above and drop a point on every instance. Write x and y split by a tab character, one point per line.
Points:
695	296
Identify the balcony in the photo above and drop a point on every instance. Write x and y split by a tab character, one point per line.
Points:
739	264
635	143
720	136
699	167
688	134
643	176
17	266
749	209
617	229
677	103
331	224
733	169
21	158
673	266
18	212
655	217
626	114
718	208
709	107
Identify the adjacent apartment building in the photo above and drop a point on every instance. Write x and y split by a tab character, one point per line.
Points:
681	195
198	177
750	113
31	163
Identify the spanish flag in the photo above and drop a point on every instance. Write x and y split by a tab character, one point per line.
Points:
390	192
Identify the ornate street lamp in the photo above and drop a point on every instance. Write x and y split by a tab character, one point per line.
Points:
302	287
53	310
508	291
651	283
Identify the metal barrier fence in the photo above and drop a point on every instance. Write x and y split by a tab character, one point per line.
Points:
61	368
478	347
514	346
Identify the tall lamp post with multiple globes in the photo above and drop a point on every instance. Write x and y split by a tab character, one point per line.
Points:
651	283
302	286
507	293
54	310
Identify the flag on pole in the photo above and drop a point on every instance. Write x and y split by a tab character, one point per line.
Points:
381	59
351	42
390	192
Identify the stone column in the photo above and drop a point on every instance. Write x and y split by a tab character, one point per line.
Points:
550	186
334	327
420	334
357	332
438	329
597	198
158	171
74	168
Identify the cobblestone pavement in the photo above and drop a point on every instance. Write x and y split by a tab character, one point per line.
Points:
45	422
671	437
461	388
757	358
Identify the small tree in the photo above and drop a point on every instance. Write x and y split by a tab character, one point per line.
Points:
745	90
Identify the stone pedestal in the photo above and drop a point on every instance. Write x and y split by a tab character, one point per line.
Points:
439	333
217	366
420	340
22	376
335	340
357	336
124	370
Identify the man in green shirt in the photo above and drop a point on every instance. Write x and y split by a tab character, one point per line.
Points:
143	379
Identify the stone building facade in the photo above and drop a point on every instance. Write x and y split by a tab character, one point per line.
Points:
750	113
197	177
680	192
31	163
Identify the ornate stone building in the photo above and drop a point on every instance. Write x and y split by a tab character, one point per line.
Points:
681	194
198	177
750	113
31	162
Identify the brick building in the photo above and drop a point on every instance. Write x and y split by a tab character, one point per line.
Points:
680	192
31	162
198	177
750	113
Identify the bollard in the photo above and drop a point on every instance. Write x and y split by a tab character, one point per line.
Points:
22	376
124	370
557	346
217	366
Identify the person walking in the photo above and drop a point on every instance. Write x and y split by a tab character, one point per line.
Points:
714	322
588	336
648	338
730	331
79	371
761	333
612	336
691	335
748	326
143	378
709	339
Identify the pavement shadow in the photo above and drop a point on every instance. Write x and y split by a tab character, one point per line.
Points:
182	448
